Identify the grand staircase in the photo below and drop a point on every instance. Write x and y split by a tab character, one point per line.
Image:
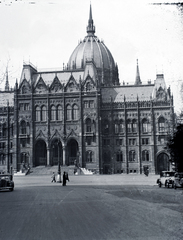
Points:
48	170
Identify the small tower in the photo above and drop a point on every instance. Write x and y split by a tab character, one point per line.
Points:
138	80
7	88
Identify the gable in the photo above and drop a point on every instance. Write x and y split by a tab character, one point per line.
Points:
25	87
40	86
56	86
72	85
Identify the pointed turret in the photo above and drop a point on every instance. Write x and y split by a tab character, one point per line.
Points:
90	27
138	80
7	87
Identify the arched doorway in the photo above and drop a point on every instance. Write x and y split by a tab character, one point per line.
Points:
40	153
107	163
162	163
72	152
56	152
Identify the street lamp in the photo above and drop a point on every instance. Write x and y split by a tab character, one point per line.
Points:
59	167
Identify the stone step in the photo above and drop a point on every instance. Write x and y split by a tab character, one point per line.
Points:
48	170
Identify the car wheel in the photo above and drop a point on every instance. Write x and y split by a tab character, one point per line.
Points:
11	189
159	184
175	186
172	184
166	184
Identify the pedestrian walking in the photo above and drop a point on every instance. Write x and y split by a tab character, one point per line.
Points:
53	177
65	178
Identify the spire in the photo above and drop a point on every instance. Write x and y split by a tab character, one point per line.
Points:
137	80
90	27
7	82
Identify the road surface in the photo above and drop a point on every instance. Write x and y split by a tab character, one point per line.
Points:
91	208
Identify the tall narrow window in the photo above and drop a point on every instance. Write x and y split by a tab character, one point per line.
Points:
106	127
89	156
161	124
59	112
119	156
129	126
43	113
75	112
23	127
134	125
121	126
144	126
88	125
145	155
53	113
116	127
68	112
132	156
38	114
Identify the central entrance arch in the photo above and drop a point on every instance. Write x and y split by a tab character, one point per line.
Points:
162	163
72	151
56	152
40	153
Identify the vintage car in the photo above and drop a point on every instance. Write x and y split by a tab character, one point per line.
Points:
178	180
6	182
166	178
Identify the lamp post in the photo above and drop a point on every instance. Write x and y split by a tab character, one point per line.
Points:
59	168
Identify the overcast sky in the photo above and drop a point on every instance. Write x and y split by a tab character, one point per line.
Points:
45	32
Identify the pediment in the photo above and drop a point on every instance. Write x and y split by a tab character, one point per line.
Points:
71	134
89	84
56	86
41	86
25	87
56	134
41	135
161	94
72	85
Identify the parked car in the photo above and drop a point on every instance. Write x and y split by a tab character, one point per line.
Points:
6	182
178	180
166	178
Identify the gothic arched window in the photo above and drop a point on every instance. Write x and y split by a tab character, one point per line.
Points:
43	113
145	155
68	112
59	112
129	126
144	126
132	156
134	125
116	127
161	124
89	155
88	125
53	113
121	126
38	114
75	112
23	127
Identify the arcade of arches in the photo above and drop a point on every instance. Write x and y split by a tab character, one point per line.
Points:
163	163
57	152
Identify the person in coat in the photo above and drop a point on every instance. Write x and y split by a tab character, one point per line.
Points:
65	178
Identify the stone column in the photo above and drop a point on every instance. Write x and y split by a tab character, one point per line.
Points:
64	153
48	156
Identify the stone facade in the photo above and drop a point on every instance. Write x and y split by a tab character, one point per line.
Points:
82	115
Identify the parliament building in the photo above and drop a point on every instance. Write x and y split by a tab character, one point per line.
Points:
83	115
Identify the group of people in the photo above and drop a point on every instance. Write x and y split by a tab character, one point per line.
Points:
65	178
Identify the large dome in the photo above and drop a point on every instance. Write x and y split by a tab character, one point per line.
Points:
92	49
